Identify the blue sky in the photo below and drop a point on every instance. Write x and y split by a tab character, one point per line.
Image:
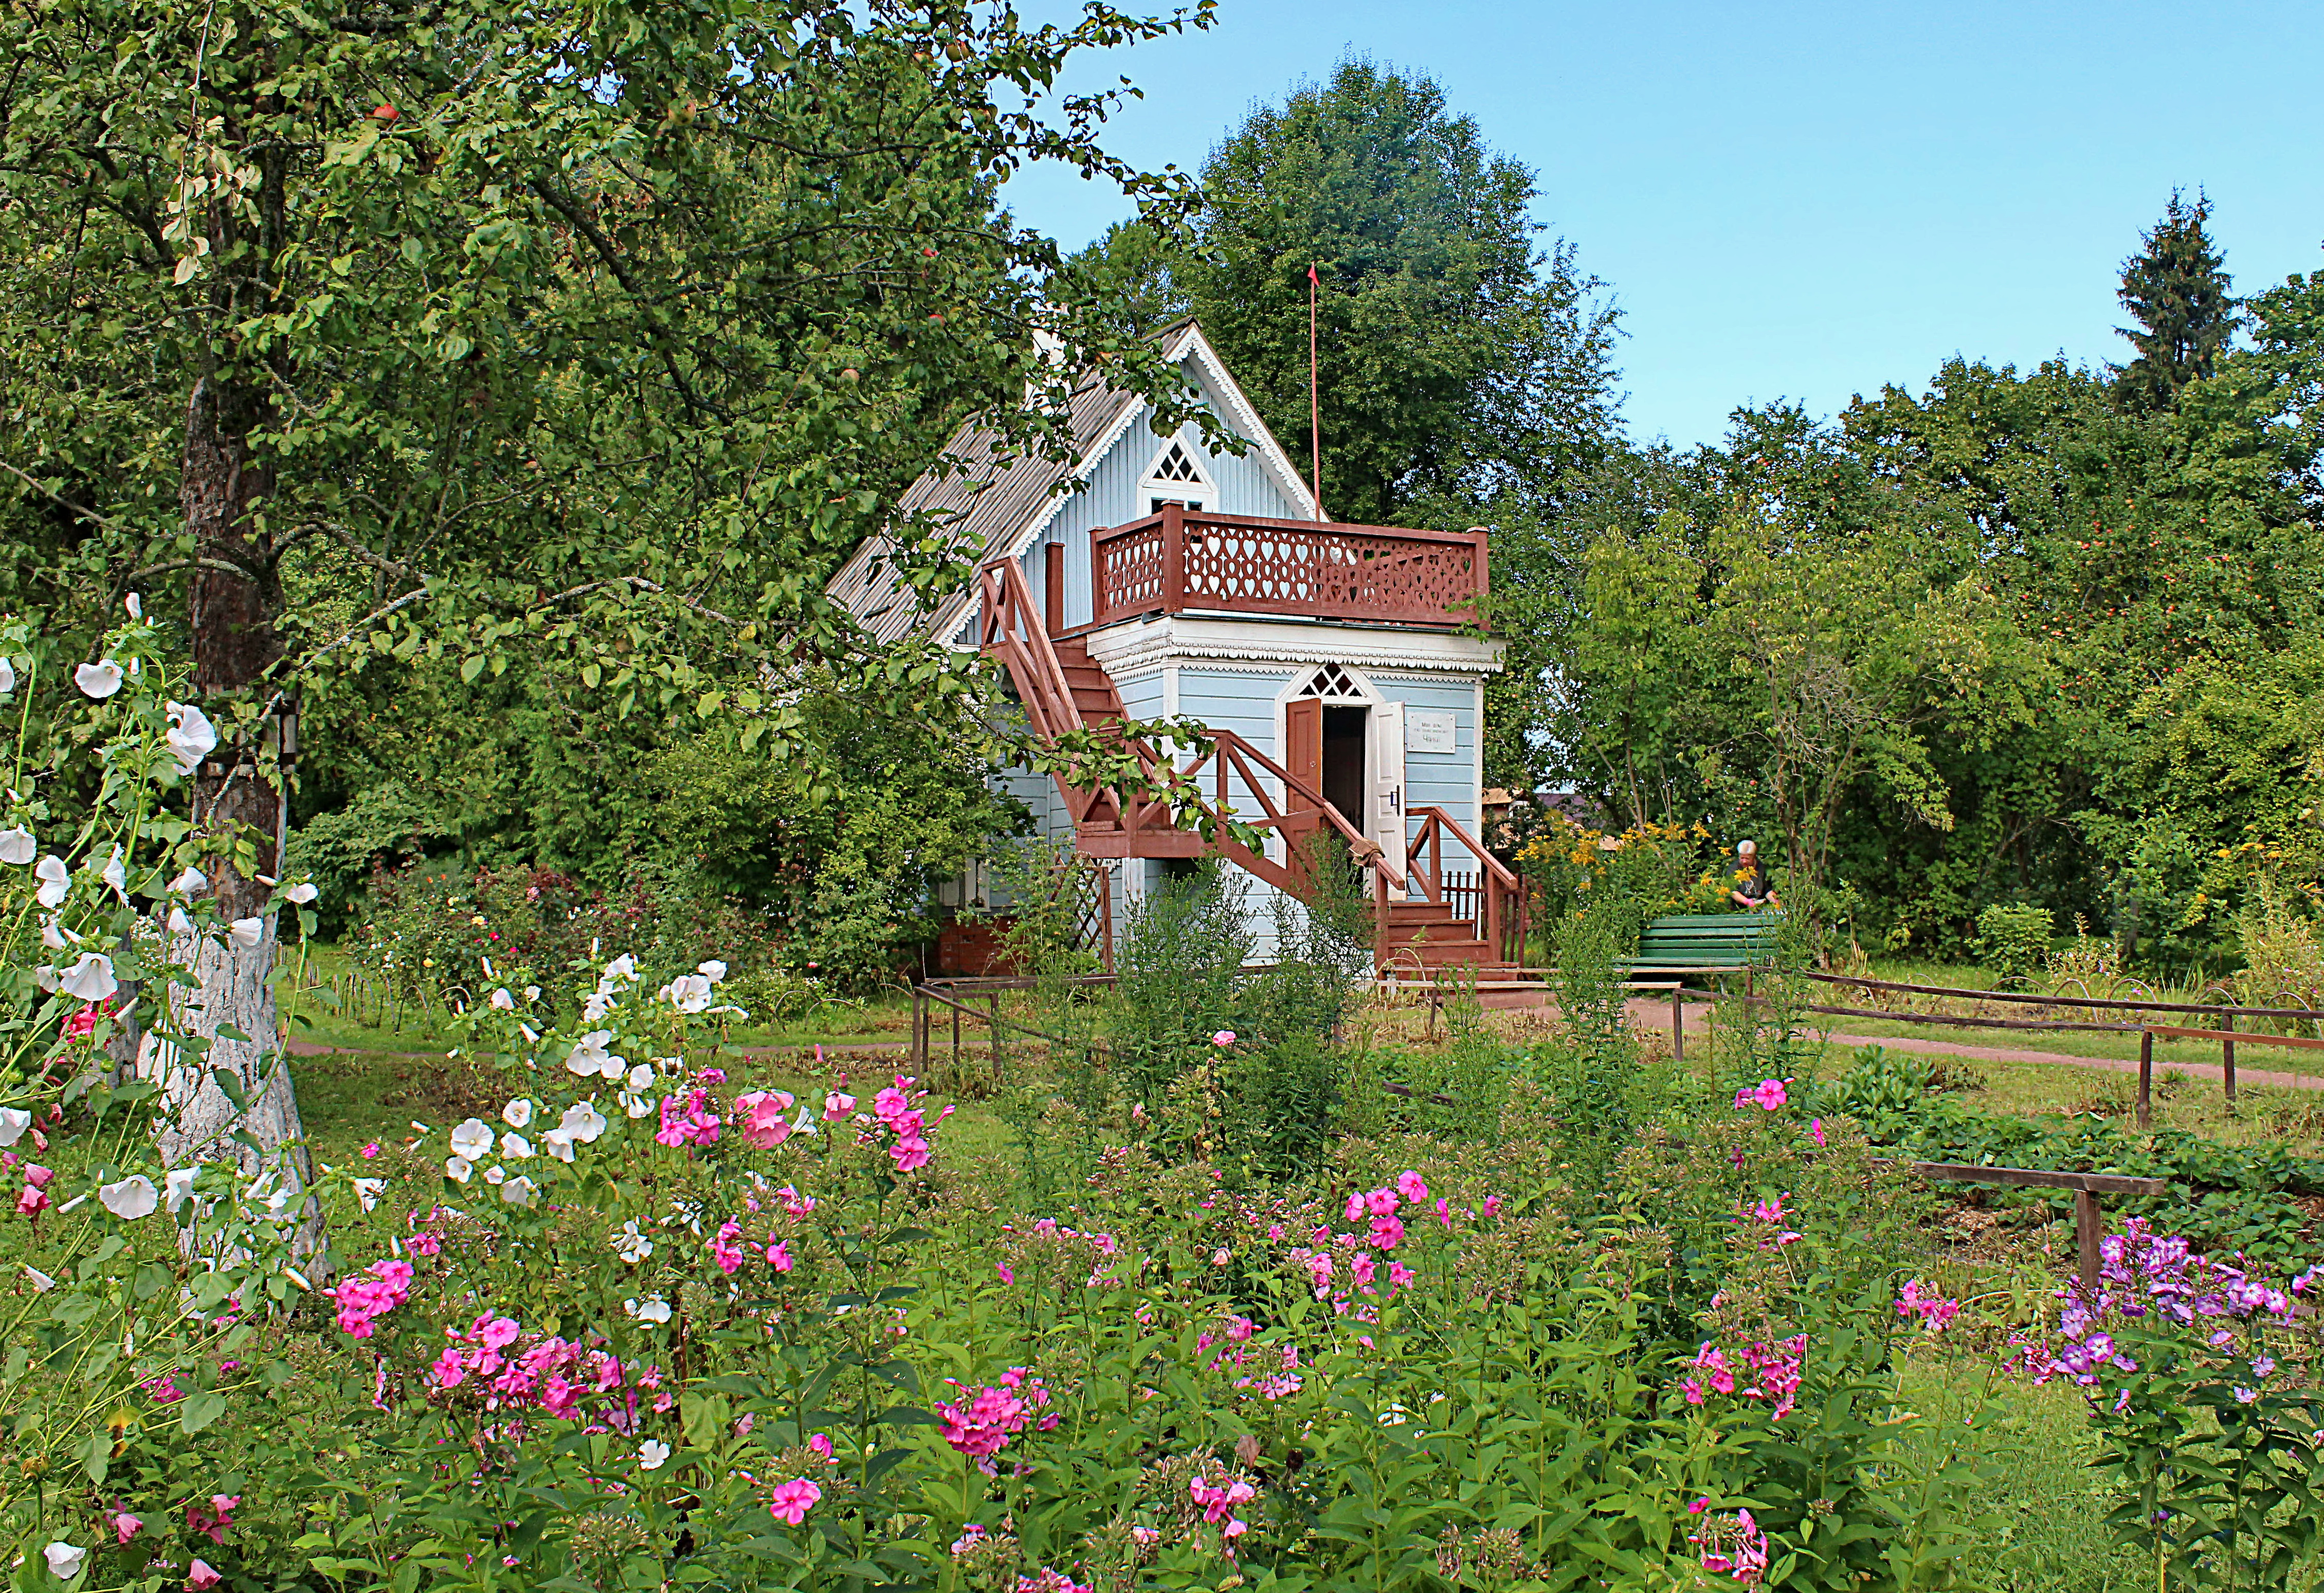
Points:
1805	202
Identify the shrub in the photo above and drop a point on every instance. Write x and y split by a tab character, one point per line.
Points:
2014	941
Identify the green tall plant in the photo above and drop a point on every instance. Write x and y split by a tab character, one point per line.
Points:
2178	291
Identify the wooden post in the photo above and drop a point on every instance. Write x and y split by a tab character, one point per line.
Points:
2145	1077
2086	1236
916	999
1173	557
2227	1064
996	1037
1678	1027
955	1035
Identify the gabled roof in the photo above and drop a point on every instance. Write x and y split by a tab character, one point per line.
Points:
997	510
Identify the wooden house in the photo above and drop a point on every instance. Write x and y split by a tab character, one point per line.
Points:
1338	666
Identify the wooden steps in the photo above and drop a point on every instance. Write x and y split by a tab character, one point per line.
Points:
1428	934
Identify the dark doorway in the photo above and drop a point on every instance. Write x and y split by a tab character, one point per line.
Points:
1343	762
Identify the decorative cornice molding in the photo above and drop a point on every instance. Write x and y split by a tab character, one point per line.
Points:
1140	645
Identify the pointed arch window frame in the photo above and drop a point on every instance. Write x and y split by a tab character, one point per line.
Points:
1154	487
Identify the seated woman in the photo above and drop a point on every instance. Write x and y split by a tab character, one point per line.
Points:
1752	892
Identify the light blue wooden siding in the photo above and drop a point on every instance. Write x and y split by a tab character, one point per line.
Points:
1143	697
1112	498
1440	779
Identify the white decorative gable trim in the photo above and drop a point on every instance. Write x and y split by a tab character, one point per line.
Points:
1212	376
1168	640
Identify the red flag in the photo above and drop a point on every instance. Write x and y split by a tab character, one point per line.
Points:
1314	278
1314	400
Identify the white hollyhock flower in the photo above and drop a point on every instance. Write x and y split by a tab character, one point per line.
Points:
41	1282
90	979
515	1146
582	1121
178	1187
518	1113
56	880
496	1174
803	1123
191	881
55	936
17	845
99	680
132	1198
532	992
598	1004
632	1246
622	969
178	923
13	1121
502	999
472	1139
300	894
115	873
490	971
688	992
246	933
653	1454
557	1143
458	1168
713	970
641	1077
136	605
636	1106
7	674
368	1190
653	1308
64	1560
192	737
519	1191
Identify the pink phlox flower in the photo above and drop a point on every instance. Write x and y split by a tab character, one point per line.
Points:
1362	1269
779	1254
762	1118
791	1501
1354	1210
795	1203
450	1369
371	1151
1239	1328
820	1443
425	1243
722	1250
1400	1274
495	1332
1444	1211
910	1154
1388	1232
981	1426
1411	1186
1815	1131
1380	1202
1007	1276
1770	1210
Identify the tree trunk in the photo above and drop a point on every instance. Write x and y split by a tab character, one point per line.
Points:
232	616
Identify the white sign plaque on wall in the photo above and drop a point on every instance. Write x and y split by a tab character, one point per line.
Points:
1429	730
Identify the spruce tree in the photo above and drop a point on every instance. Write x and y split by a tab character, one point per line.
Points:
2176	291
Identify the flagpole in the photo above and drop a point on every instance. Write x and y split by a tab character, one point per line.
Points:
1314	401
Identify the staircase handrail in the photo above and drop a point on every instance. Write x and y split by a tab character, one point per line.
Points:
1495	879
1009	629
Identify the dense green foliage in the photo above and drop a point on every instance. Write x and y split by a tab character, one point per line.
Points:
2010	640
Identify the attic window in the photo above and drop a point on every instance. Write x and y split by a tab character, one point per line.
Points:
1177	465
1174	477
1333	683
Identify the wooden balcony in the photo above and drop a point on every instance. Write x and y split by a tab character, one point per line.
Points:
1182	560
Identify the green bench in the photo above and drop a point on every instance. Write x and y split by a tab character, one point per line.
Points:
1687	943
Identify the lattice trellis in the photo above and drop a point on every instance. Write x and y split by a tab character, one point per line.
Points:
1176	465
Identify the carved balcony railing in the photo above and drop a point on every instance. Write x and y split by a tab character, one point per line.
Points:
1185	559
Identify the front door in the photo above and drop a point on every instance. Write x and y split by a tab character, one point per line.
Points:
1303	755
1388	781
